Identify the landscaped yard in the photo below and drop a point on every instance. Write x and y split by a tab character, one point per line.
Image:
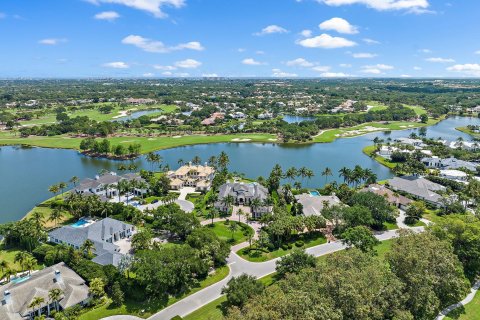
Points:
469	312
8	255
45	209
370	151
258	256
222	230
147	308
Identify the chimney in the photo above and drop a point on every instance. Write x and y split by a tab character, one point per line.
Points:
7	297
97	177
58	276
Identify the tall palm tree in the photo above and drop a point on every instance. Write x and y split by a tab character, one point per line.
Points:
36	302
196	160
21	257
326	173
74	180
3	266
87	247
54	295
55	215
228	202
291	173
38	218
240	213
212	161
233	227
62	186
54	189
30	264
223	160
346	174
180	162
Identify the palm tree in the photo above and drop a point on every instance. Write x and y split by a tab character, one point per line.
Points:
3	266
302	172
240	213
55	215
228	202
255	204
223	160
181	162
62	186
233	227
196	160
291	173
211	214
346	173
37	217
9	273
36	302
21	257
297	185
54	295
54	189
87	247
30	264
326	173
74	180
212	161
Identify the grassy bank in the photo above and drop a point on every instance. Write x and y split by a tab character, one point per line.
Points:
468	131
370	151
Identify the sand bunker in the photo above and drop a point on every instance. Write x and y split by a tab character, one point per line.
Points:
241	140
124	113
364	130
176	137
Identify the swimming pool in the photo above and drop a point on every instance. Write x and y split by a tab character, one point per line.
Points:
80	223
314	193
20	280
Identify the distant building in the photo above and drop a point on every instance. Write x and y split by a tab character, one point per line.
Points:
387	151
17	296
213	118
314	205
454	175
465	145
397	200
449	163
105	234
105	185
244	194
411	142
419	188
196	176
140	101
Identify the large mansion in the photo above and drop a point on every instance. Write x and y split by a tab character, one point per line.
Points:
106	185
244	194
195	176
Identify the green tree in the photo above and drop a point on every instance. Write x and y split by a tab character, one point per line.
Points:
97	288
142	240
295	262
117	295
415	212
240	289
360	237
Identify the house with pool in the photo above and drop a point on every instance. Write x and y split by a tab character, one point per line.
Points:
110	237
17	295
195	176
313	203
106	185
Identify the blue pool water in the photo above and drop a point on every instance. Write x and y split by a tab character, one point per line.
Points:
314	193
20	280
80	223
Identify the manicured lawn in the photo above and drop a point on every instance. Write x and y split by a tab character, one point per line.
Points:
471	311
45	209
468	131
135	307
223	232
259	256
370	150
152	198
432	216
9	256
390	225
417	224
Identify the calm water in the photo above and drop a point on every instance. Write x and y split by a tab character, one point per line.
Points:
138	114
26	173
296	119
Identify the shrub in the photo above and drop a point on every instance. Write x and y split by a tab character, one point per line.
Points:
299	243
290	246
284	246
270	247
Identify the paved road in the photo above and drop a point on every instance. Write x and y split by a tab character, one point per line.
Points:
237	267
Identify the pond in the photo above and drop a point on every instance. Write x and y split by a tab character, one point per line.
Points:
26	173
296	119
138	114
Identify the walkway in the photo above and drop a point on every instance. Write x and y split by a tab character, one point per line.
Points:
462	303
184	204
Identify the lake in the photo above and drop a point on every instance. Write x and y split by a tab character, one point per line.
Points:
26	173
138	114
296	119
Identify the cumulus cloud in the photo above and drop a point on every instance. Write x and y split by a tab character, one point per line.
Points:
188	64
334	75
152	6
440	60
154	46
52	41
364	55
300	62
168	68
281	74
417	68
167	73
338	24
251	62
376	69
107	15
425	51
270	30
414	6
405	76
321	68
116	65
148	75
477	52
370	41
210	75
345	65
306	33
326	41
469	69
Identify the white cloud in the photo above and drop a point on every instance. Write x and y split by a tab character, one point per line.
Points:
241	50
150	45
345	65
281	74
439	60
116	65
52	41
326	41
260	52
167	73
148	75
425	51
321	68
334	75
414	6
363	55
372	70
469	69
338	24
168	68
370	41
152	6
251	62
417	68
270	30
376	69
477	52
210	75
299	62
107	15
405	76
188	64
306	33
182	74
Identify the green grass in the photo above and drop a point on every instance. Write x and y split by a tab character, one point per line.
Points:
45	209
370	150
8	255
223	232
468	131
471	311
260	256
417	224
135	307
432	216
390	225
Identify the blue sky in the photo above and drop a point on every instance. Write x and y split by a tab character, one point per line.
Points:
239	38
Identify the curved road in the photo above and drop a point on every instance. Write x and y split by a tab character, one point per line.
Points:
237	267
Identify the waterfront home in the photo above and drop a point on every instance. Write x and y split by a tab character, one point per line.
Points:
196	176
244	194
105	185
313	205
387	151
417	143
109	236
213	118
465	145
449	163
454	175
419	188
19	293
393	198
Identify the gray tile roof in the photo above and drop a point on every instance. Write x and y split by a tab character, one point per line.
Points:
39	284
313	205
248	190
418	186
